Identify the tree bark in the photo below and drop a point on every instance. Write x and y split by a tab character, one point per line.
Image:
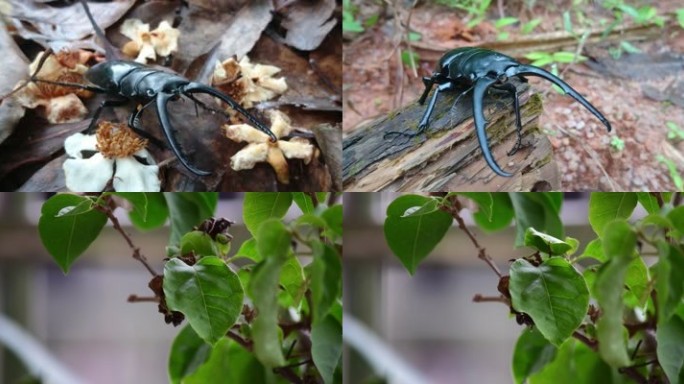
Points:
448	157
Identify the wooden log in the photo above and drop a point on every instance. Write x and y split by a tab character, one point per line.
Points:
448	157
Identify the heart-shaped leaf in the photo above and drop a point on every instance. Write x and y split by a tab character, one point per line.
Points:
553	294
68	225
208	293
412	238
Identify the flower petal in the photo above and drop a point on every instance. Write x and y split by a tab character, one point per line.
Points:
248	156
74	144
88	175
133	176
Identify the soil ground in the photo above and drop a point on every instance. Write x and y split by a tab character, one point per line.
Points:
376	83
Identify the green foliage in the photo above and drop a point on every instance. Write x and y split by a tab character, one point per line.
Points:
208	293
674	173
477	9
412	230
680	17
68	225
541	59
349	21
269	337
569	340
617	143
674	133
554	294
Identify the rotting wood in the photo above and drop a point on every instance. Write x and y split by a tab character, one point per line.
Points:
448	157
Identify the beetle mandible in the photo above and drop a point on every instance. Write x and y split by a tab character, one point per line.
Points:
478	69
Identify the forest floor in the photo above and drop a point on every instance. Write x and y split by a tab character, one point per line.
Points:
641	94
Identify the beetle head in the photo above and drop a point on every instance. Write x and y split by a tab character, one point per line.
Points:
102	75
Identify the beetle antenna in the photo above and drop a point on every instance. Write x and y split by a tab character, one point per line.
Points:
535	71
110	51
480	89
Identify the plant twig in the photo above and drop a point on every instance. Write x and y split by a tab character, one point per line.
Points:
482	253
478	298
140	299
593	344
108	210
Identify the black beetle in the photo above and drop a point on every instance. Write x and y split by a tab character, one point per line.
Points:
129	80
478	69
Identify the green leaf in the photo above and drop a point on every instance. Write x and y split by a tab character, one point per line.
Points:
553	294
303	201
567	57
409	56
532	352
605	207
545	243
670	279
594	249
149	212
413	238
567	22
66	237
292	279
676	217
188	352
248	250
680	17
208	293
414	36
325	272
538	210
670	350
619	242
628	47
199	243
333	217
648	201
530	26
261	206
484	201
188	209
505	21
575	363
273	244
229	363
430	206
501	204
636	281
326	346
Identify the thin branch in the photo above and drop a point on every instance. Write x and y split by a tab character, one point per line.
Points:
593	344
141	299
478	298
314	198
482	253
107	210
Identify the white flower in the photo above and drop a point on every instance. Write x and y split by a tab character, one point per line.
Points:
248	83
91	165
147	45
261	149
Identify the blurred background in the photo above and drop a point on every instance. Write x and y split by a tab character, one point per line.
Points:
83	319
429	321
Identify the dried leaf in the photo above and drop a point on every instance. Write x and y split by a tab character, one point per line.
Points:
308	23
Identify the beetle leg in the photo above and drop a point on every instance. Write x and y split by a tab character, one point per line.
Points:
511	89
162	99
425	121
481	86
535	71
134	124
429	82
201	88
98	112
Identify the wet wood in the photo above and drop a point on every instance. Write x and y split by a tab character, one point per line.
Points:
449	158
